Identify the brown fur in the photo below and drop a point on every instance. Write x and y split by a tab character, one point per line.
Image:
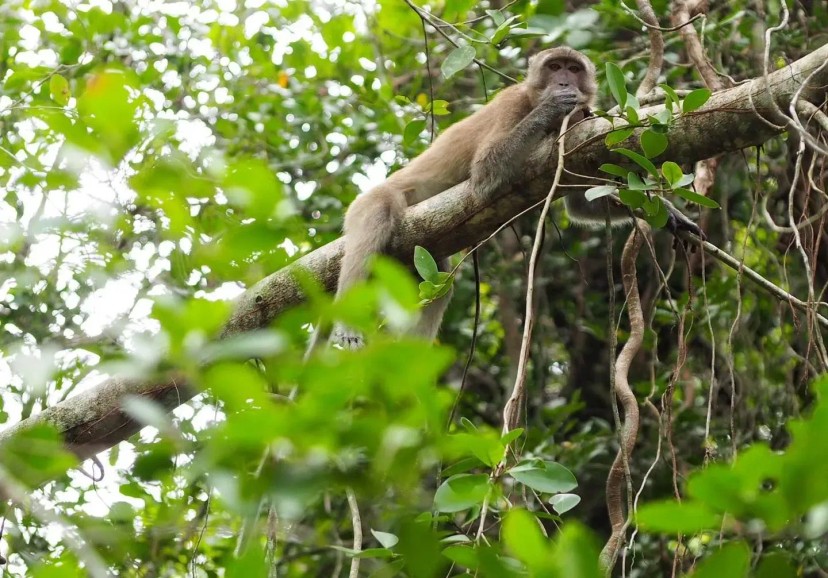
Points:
488	147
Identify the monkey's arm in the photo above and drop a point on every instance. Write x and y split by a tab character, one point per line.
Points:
501	159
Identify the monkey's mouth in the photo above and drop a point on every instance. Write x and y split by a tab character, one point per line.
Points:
564	93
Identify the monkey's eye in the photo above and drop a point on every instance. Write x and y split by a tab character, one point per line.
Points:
554	66
574	69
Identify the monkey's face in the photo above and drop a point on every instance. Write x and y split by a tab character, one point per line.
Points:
562	72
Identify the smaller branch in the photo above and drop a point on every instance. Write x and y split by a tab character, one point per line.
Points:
806	261
810	110
695	50
803	106
768	286
648	17
628	433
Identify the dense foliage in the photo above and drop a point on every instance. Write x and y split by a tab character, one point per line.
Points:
157	158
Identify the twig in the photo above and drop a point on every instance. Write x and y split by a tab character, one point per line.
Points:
427	17
658	27
510	411
806	262
356	521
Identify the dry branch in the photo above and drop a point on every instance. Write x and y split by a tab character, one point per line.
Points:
93	420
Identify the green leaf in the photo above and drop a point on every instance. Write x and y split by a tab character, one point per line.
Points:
374	553
564	502
652	205
438	108
695	99
496	16
614	170
618	136
599	191
523	538
653	143
661	120
659	216
632	199
672	97
387	540
672	172
511	436
485	447
461	492
425	264
501	33
617	84
428	291
694	197
575	553
462	555
544	476
413	130
731	560
457	60
775	565
641	161
669	516
635	183
59	89
685	180
632	115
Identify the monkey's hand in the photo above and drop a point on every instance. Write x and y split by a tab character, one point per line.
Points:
346	338
559	104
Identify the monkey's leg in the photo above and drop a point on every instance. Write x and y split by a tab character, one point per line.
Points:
370	222
432	314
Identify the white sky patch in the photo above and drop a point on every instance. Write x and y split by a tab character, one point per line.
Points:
224	292
194	136
304	190
373	176
253	24
112	301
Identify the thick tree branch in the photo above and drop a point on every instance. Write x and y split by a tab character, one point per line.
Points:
93	421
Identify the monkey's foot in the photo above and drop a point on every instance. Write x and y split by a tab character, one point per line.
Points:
347	338
677	222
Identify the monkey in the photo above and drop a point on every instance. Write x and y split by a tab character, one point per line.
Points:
489	149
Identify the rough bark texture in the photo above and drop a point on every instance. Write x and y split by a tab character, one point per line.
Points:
93	421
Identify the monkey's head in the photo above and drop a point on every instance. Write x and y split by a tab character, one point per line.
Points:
562	70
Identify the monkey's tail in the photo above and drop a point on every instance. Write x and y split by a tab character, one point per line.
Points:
370	224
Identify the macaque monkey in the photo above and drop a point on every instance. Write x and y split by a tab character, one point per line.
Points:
489	148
